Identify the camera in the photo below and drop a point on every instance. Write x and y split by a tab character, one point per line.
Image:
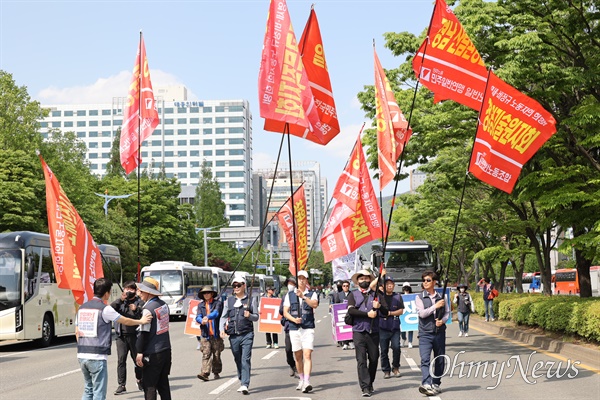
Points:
130	295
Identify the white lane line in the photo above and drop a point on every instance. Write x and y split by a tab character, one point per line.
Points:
61	375
412	364
271	354
318	321
32	350
224	386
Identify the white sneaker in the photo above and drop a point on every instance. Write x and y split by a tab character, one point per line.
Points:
345	347
307	387
403	343
460	334
300	385
243	389
268	346
466	334
351	346
436	388
410	345
198	347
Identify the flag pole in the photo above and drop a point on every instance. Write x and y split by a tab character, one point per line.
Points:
287	128
140	73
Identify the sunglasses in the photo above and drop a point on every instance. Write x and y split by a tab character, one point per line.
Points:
345	285
427	280
237	285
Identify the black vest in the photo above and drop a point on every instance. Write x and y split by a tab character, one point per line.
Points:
237	324
427	324
159	339
306	312
100	344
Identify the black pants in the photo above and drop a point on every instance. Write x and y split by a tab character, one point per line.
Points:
289	354
274	339
126	344
156	375
366	346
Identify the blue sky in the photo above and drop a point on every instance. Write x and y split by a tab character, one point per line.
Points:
83	51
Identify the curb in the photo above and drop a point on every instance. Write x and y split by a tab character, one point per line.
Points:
586	355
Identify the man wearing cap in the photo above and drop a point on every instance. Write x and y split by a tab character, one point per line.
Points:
239	313
93	332
289	354
154	344
298	309
208	314
366	306
433	313
389	330
272	338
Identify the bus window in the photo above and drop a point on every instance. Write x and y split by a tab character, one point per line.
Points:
10	279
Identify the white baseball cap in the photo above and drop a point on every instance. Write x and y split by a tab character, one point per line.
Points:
303	273
238	279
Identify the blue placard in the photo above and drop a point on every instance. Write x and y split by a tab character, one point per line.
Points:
409	321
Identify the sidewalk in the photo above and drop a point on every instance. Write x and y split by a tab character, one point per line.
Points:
585	354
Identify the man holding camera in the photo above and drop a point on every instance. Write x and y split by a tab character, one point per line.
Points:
130	306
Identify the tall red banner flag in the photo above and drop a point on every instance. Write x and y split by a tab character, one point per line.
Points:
393	131
76	258
140	116
346	229
298	227
447	63
284	89
512	127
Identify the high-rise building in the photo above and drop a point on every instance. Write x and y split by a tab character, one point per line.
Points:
215	132
416	179
315	188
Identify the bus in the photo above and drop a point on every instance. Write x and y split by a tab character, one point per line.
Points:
566	281
532	282
405	261
32	306
179	282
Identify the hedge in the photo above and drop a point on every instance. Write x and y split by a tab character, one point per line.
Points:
562	314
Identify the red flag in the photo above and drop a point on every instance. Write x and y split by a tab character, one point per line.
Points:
140	116
451	65
512	128
393	131
347	188
283	86
296	228
76	258
346	229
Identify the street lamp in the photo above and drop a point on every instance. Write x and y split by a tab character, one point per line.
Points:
206	241
108	198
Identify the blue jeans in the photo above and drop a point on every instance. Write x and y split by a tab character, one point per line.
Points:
387	338
488	304
95	376
241	347
410	336
463	321
429	341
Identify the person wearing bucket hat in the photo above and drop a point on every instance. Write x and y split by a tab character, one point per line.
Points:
465	307
208	314
94	339
389	330
240	311
406	289
366	307
154	343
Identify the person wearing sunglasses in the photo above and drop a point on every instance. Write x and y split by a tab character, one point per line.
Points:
433	313
239	313
342	297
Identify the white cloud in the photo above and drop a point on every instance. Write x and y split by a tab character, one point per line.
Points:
103	90
341	145
262	161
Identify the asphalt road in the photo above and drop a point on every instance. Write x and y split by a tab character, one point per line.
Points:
482	366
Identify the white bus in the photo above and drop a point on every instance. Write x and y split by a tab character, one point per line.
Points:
179	281
32	307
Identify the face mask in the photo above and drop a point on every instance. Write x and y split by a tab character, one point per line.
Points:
364	284
130	295
291	288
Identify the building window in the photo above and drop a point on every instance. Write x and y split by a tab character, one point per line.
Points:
195	142
219	152
169	153
68	124
170	175
235	120
194	131
169	110
93	134
207	109
182	131
56	113
181	110
93	145
236	218
156	154
105	144
93	166
169	132
236	130
219	163
106	134
207	142
156	143
195	153
182	164
169	143
69	113
93	123
207	153
239	152
106	123
44	124
195	164
219	120
182	153
236	174
93	113
237	207
236	141
208	164
118	121
237	196
236	108
105	155
168	121
169	164
195	175
220	141
236	185
80	123
207	131
80	134
144	164
220	174
194	110
220	131
93	155
105	112
219	109
56	124
182	143
207	120
182	121
194	120
236	163
182	175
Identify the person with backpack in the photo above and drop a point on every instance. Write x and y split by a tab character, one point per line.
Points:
366	306
298	309
389	330
289	354
488	303
240	311
465	307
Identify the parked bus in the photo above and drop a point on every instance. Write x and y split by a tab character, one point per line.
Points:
532	282
405	261
32	307
566	281
179	281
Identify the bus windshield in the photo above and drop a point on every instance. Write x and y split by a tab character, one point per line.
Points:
10	279
170	281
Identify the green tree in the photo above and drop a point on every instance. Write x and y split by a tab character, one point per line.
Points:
114	167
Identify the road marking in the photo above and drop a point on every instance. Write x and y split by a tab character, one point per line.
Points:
412	364
318	321
271	354
32	350
536	349
61	375
224	386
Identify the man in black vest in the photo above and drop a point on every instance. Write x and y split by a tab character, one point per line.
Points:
389	330
366	306
239	313
433	313
154	344
130	306
298	309
93	333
